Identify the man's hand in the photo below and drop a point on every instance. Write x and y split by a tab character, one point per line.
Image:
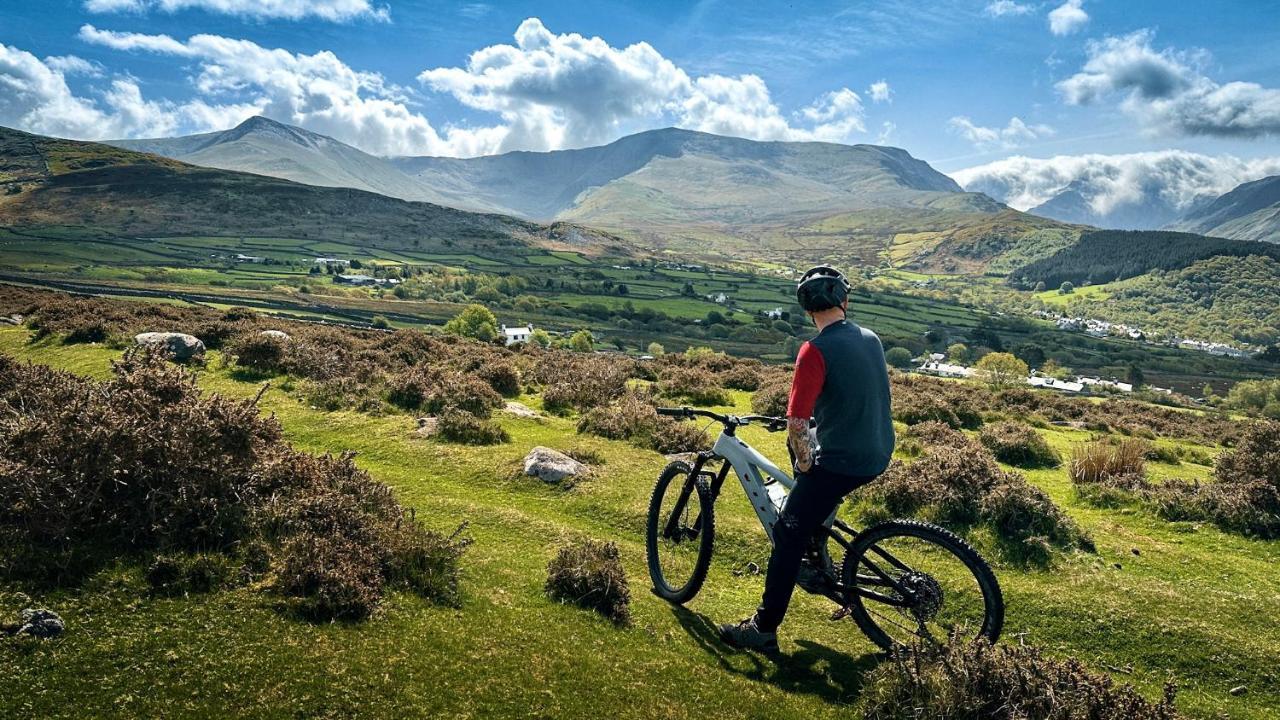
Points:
801	443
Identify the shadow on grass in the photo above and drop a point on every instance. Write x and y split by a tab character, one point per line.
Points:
814	669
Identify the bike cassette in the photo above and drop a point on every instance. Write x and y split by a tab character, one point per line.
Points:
925	594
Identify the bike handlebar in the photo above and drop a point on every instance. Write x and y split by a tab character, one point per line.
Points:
772	424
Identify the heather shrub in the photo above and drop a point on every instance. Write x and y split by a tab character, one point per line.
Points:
261	353
1019	445
579	382
432	390
742	376
329	577
467	429
959	484
589	574
918	438
772	396
501	375
976	680
695	385
634	418
146	462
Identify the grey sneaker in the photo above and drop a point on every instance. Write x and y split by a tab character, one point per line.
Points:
746	636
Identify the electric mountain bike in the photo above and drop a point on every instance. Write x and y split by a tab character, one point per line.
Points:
900	580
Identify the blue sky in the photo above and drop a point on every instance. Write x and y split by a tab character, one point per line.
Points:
965	82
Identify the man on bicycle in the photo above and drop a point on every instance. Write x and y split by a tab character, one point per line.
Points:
841	381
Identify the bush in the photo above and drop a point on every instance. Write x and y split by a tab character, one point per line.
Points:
635	419
463	427
435	391
741	377
329	577
696	385
579	382
263	353
972	680
958	483
589	574
1018	445
917	400
771	399
200	473
918	438
501	375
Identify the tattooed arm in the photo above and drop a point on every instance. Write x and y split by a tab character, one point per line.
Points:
811	371
800	442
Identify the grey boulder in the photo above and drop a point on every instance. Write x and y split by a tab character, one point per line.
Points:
277	334
180	346
551	466
40	623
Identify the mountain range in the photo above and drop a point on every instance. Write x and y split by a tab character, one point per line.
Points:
665	188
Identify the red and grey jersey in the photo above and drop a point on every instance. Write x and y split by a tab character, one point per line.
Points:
842	382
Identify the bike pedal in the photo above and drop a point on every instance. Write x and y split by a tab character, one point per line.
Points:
841	613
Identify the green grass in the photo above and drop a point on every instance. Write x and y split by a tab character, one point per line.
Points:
1195	604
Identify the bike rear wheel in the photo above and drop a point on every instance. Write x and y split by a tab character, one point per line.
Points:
916	581
680	533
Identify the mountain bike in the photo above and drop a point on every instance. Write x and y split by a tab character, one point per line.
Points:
900	580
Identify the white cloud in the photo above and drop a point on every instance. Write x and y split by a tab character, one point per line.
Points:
317	91
565	90
1067	18
547	91
1014	134
334	10
1003	8
1167	91
34	95
880	92
887	128
1174	177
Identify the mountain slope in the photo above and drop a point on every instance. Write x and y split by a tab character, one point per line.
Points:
1249	212
266	147
676	168
108	190
1074	205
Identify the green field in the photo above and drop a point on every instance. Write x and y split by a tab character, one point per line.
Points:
1158	601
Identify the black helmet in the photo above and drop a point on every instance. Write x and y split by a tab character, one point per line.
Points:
822	288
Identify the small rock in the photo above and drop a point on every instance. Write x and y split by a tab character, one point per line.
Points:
180	346
427	426
14	319
278	334
41	623
1239	690
551	466
519	409
753	568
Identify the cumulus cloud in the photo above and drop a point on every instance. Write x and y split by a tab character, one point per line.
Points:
880	92
1067	18
333	10
1167	91
1175	178
547	91
316	91
34	95
1003	8
565	90
1015	134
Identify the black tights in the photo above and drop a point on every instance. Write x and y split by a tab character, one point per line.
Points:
816	495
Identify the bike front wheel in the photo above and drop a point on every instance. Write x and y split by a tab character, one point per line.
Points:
680	533
910	581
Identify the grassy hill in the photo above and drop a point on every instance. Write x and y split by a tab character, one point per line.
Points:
1157	601
101	190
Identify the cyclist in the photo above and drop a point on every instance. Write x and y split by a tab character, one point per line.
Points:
841	381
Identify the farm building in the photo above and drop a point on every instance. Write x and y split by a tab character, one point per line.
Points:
518	334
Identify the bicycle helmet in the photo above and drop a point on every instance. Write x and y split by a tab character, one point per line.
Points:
822	288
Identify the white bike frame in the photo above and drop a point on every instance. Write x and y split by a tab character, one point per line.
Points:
751	467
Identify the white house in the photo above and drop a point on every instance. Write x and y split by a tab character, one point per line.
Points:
942	369
337	262
241	257
1049	383
1094	383
515	335
774	314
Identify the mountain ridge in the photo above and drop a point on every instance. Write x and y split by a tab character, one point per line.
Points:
1250	211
